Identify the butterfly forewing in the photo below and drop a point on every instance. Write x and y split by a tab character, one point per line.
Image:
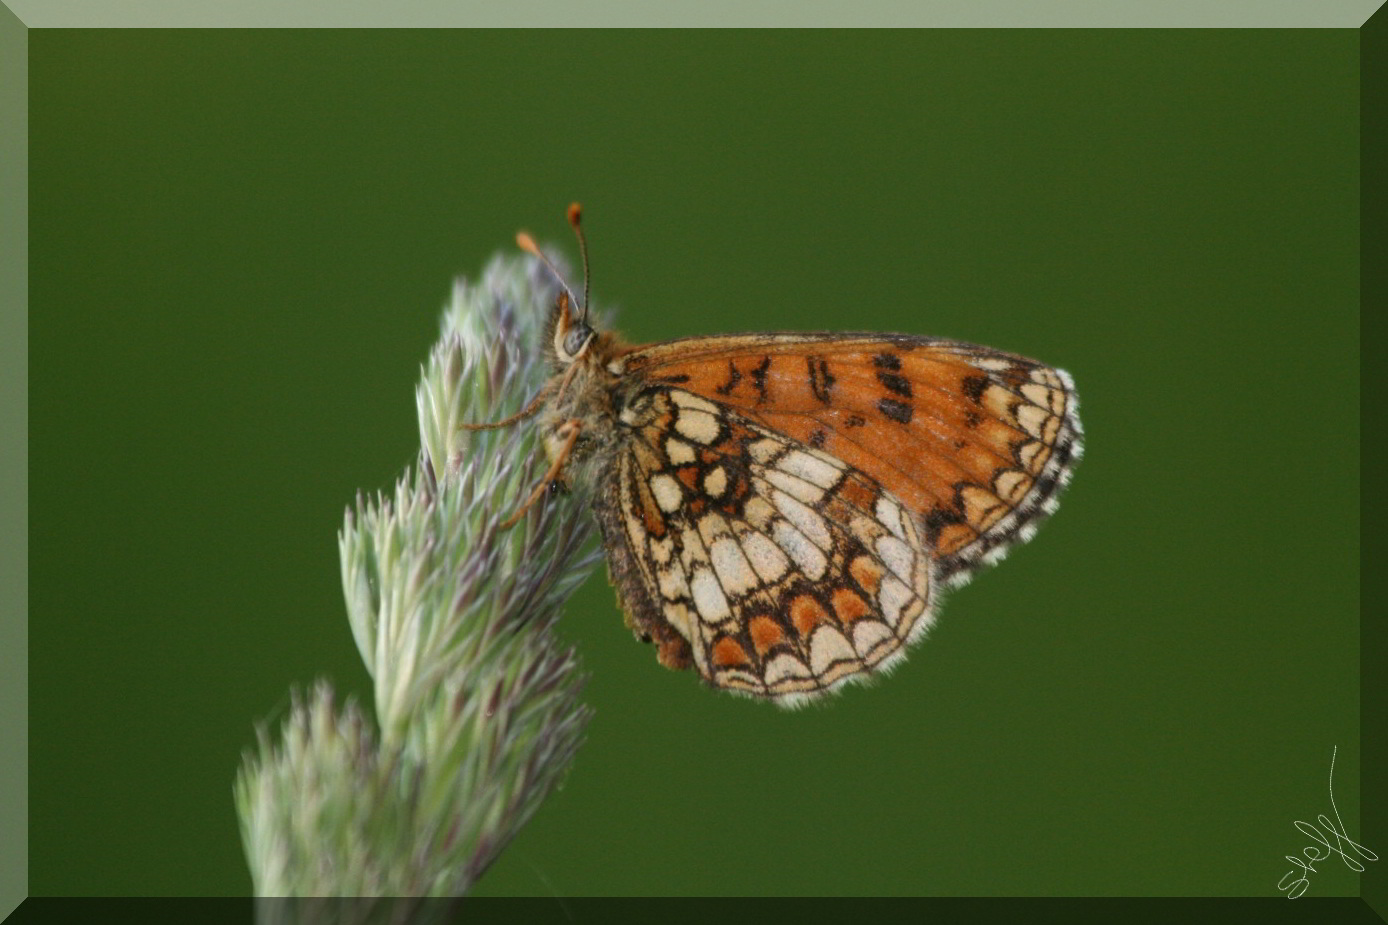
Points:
974	442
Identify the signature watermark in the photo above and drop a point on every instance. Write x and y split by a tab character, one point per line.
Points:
1296	881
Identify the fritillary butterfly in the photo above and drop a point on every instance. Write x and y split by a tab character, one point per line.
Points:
779	510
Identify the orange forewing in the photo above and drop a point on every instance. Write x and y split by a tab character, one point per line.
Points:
962	434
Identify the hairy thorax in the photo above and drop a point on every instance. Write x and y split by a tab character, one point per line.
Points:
593	395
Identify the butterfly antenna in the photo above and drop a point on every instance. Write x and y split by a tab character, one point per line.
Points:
526	243
575	214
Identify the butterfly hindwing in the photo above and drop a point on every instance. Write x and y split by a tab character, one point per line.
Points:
773	567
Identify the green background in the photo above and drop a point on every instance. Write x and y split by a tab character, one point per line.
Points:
240	242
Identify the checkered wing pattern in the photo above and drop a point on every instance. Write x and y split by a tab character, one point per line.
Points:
770	566
784	503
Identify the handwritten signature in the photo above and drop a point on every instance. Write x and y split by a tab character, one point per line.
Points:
1344	846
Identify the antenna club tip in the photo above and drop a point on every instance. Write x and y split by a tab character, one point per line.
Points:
575	213
526	243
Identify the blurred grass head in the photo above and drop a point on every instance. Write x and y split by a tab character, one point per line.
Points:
477	703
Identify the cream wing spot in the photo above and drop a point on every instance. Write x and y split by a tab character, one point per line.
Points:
998	401
896	555
737	679
764	450
690	400
734	572
865	529
797	488
785	667
698	426
993	364
828	646
889	516
1012	485
1032	419
711	527
891	598
807	521
1034	455
708	596
673	587
668	494
831	460
716	482
802	552
759	512
809	468
662	551
692	547
1036	394
766	557
680	453
678	615
1050	399
869	634
911	623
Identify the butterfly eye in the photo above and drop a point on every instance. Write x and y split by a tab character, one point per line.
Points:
576	337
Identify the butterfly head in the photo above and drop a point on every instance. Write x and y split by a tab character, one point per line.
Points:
572	334
572	337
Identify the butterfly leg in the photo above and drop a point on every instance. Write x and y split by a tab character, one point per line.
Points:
529	410
568	431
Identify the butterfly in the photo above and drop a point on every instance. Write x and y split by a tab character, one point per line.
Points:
780	511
